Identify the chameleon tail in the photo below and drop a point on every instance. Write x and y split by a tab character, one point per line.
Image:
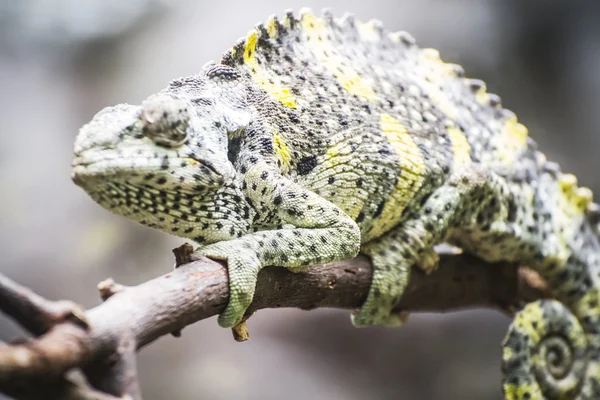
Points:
545	355
552	349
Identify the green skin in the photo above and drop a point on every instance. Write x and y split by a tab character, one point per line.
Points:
219	158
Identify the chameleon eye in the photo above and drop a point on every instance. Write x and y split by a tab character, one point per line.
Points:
165	120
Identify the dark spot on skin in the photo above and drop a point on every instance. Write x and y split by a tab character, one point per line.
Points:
307	164
331	180
379	209
360	217
164	163
188	230
162	180
277	200
264	175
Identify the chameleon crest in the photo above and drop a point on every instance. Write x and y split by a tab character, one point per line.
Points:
315	138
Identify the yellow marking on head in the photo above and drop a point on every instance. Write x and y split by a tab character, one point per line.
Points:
367	31
461	149
511	141
517	392
270	83
272	27
335	64
192	162
281	150
411	179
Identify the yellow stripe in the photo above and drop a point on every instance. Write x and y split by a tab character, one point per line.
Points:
282	151
272	27
512	140
411	178
438	73
336	65
270	83
461	149
482	96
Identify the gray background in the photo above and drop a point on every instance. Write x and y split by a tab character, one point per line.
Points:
61	61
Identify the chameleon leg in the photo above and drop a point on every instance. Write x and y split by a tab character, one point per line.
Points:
393	254
321	233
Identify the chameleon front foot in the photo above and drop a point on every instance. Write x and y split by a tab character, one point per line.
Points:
242	266
390	276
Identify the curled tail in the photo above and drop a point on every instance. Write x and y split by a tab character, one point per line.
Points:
547	355
552	349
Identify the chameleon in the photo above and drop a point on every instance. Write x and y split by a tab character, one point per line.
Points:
315	138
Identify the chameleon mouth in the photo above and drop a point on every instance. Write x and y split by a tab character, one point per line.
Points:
85	171
89	170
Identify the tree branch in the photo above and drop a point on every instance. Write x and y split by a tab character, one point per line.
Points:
102	341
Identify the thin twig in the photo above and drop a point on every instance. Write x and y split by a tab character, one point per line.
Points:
133	317
33	312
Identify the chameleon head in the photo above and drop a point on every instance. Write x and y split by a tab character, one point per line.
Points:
138	160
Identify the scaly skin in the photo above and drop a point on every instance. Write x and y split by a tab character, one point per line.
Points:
315	138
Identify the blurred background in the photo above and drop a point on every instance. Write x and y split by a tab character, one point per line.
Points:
61	61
